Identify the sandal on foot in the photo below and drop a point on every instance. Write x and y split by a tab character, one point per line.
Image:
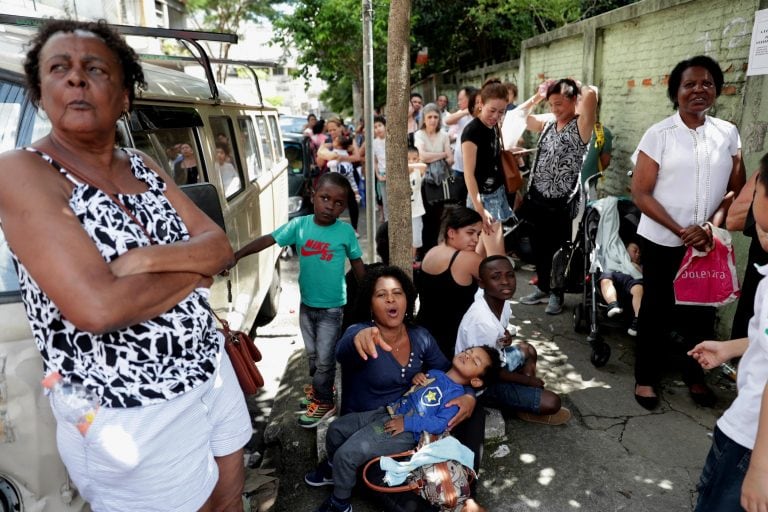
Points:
560	417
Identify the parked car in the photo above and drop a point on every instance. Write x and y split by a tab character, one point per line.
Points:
300	168
292	124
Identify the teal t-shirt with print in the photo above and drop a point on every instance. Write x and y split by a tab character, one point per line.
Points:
322	252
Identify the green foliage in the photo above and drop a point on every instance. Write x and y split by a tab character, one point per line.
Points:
328	37
275	100
460	34
227	16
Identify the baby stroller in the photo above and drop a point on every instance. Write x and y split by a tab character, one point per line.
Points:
577	266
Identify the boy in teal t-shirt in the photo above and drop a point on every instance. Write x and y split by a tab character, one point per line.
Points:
322	243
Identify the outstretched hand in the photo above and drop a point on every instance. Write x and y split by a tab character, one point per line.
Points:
709	354
366	342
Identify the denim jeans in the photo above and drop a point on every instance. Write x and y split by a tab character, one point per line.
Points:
723	474
321	328
357	437
512	395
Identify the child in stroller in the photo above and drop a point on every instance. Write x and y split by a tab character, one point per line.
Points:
629	287
606	228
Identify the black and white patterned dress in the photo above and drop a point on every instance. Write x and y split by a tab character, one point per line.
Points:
559	161
146	363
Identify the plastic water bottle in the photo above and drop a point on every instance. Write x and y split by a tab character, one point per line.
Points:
729	371
74	401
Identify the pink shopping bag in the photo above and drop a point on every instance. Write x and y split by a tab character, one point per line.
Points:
708	278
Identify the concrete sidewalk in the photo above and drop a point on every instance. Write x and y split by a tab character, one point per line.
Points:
613	455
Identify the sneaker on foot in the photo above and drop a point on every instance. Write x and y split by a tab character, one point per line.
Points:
555	305
536	297
614	309
309	396
632	330
316	412
320	476
331	504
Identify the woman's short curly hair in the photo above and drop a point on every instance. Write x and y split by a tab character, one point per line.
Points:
133	75
700	61
365	295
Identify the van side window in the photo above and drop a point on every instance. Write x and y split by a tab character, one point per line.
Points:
266	142
276	137
226	158
170	136
250	148
11	100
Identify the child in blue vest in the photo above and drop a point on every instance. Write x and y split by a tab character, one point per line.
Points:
322	242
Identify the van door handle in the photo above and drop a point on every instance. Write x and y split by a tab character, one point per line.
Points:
229	291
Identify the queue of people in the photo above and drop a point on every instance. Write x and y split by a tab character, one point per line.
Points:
182	408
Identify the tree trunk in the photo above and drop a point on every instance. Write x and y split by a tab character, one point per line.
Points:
398	85
357	100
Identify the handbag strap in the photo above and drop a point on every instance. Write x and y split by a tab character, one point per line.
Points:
71	169
413	485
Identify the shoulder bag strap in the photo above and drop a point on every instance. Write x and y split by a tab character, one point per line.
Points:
413	485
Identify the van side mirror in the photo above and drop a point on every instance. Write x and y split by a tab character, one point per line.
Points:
205	196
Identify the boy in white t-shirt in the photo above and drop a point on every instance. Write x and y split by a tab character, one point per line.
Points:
416	170
740	439
380	161
485	323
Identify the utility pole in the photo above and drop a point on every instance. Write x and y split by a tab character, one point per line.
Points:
370	172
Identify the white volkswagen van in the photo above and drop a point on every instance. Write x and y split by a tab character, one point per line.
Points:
175	109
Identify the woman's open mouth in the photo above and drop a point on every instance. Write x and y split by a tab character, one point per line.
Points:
392	312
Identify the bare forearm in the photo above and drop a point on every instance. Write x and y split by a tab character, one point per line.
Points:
255	246
129	300
653	209
206	254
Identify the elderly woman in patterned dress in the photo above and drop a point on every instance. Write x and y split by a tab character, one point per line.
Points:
554	182
114	264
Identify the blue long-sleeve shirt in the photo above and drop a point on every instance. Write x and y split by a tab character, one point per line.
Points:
374	383
424	408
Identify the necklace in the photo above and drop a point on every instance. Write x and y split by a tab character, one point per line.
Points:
396	341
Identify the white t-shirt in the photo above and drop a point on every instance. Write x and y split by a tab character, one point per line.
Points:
480	325
417	205
458	159
380	154
740	421
694	169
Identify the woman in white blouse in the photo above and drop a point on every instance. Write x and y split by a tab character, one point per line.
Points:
687	169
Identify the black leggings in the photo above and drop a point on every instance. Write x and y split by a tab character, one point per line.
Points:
551	228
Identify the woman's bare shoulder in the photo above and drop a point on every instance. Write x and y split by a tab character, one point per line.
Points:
20	164
470	261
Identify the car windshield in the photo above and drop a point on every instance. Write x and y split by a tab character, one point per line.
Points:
292	124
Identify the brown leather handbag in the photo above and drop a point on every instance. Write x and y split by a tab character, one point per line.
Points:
244	354
443	484
513	178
